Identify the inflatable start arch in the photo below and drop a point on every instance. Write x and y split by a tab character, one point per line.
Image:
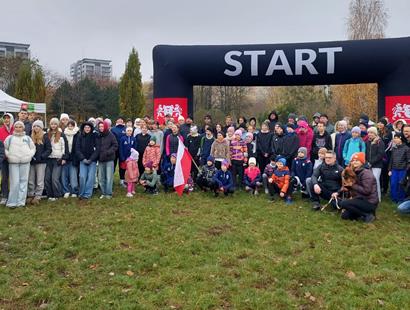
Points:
385	62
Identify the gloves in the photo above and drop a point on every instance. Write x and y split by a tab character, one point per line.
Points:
86	161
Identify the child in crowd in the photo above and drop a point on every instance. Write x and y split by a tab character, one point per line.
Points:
280	182
253	179
168	171
206	144
150	179
205	177
220	150
230	133
132	173
239	153
301	169
250	144
321	157
152	153
127	142
193	144
223	180
267	173
399	163
353	145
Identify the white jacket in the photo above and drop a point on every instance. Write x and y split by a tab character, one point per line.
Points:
57	148
19	149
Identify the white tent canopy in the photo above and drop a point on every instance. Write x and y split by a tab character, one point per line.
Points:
11	104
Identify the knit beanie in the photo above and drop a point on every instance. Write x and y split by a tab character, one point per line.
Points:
174	155
238	132
282	160
153	138
252	160
372	130
149	164
134	154
356	129
38	123
64	115
360	156
303	150
210	158
249	135
225	163
54	120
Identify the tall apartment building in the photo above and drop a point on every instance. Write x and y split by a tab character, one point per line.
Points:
91	68
9	49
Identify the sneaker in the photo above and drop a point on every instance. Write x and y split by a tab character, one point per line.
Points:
133	192
129	195
74	195
52	199
155	193
256	193
102	196
316	206
272	198
288	201
247	188
108	197
3	201
369	218
66	195
266	191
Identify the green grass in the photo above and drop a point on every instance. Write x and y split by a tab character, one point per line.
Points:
198	252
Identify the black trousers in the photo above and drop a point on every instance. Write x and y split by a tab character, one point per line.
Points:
325	194
356	208
275	189
203	183
5	179
263	162
237	171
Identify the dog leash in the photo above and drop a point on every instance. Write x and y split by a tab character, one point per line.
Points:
330	201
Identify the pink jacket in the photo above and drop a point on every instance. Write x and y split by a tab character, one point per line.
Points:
152	153
305	138
132	173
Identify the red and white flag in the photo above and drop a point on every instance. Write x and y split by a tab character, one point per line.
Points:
182	168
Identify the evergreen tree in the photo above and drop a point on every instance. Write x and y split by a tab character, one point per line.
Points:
24	83
131	93
39	87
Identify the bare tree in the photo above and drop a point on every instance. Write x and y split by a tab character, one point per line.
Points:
367	19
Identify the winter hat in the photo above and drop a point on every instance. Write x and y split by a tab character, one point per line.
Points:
238	132
54	120
303	118
225	163
303	150
38	123
364	124
356	129
292	116
250	135
282	160
108	121
134	154
18	123
317	114
210	158
174	155
304	124
64	115
372	130
360	156
194	129
252	160
364	117
153	138
92	120
149	164
293	126
181	118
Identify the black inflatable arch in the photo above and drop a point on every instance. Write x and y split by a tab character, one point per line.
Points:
385	62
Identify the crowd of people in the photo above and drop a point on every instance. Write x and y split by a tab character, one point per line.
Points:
348	166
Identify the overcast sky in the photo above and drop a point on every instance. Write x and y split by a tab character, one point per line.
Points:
61	32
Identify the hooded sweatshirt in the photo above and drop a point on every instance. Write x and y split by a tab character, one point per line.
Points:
107	144
6	131
305	136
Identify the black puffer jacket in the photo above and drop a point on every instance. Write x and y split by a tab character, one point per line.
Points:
365	186
328	176
86	145
375	152
42	151
400	157
264	143
107	144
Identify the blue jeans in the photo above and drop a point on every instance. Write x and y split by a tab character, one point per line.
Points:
87	178
18	177
396	192
69	178
106	177
404	207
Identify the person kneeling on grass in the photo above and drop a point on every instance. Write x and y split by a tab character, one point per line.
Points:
150	179
132	173
223	180
364	193
205	177
267	173
252	178
280	182
168	171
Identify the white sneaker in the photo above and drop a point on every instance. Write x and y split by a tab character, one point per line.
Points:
266	191
102	197
130	195
256	193
108	197
66	195
133	192
74	195
52	199
3	201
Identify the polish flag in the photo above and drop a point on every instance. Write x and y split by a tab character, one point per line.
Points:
182	168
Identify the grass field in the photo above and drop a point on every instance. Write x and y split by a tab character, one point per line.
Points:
200	252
